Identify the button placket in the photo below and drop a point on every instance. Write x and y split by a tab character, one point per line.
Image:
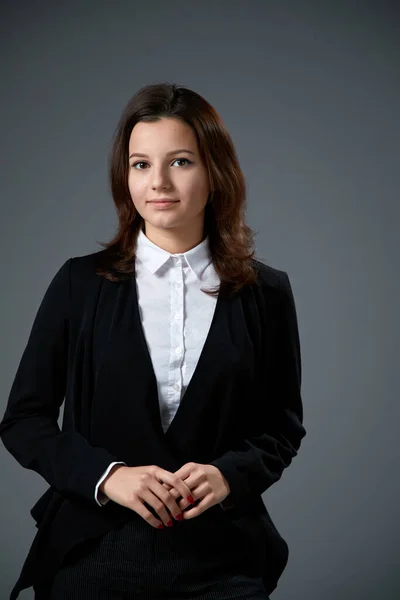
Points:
177	342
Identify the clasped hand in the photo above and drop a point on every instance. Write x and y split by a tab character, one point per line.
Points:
149	486
206	483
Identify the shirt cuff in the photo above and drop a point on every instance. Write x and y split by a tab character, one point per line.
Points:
101	498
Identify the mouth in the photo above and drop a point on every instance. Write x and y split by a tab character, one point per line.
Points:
163	200
161	203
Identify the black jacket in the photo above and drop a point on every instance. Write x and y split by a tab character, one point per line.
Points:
242	410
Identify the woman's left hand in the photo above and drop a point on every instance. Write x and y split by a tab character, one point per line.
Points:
207	484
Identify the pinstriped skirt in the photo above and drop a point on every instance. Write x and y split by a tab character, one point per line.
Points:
202	558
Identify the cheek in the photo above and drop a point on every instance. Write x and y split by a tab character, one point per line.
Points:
136	189
197	189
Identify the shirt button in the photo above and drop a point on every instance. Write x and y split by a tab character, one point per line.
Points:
177	317
178	350
176	386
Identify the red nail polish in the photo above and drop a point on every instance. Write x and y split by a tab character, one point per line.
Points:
191	499
161	526
179	517
169	523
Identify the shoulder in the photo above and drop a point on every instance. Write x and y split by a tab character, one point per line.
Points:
87	262
270	278
77	277
83	267
275	293
273	287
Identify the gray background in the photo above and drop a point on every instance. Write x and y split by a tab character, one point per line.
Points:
310	94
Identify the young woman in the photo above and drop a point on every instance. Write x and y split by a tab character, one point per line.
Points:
178	356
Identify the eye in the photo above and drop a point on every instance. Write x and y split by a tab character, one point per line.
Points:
183	159
141	162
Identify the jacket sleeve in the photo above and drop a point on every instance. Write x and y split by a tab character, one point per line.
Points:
259	461
29	428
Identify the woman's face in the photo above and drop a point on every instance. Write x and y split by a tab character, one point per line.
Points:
164	162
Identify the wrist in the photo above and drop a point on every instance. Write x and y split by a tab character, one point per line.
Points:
225	481
103	485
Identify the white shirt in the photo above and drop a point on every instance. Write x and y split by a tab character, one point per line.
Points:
176	316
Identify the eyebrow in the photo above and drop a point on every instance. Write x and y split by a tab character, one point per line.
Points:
168	153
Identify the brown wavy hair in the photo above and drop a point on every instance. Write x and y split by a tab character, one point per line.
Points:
231	240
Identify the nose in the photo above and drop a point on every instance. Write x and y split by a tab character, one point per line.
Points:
160	178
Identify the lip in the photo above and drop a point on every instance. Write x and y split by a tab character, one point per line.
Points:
163	203
163	200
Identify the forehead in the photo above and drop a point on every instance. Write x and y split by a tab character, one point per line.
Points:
160	135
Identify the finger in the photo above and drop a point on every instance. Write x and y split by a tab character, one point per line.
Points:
168	498
165	476
174	493
144	512
196	510
158	504
184	506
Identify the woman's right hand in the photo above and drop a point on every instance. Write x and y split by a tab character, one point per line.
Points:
131	486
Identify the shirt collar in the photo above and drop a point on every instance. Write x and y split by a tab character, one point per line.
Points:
154	257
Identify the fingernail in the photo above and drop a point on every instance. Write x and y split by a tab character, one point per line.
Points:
179	517
191	499
161	526
169	523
